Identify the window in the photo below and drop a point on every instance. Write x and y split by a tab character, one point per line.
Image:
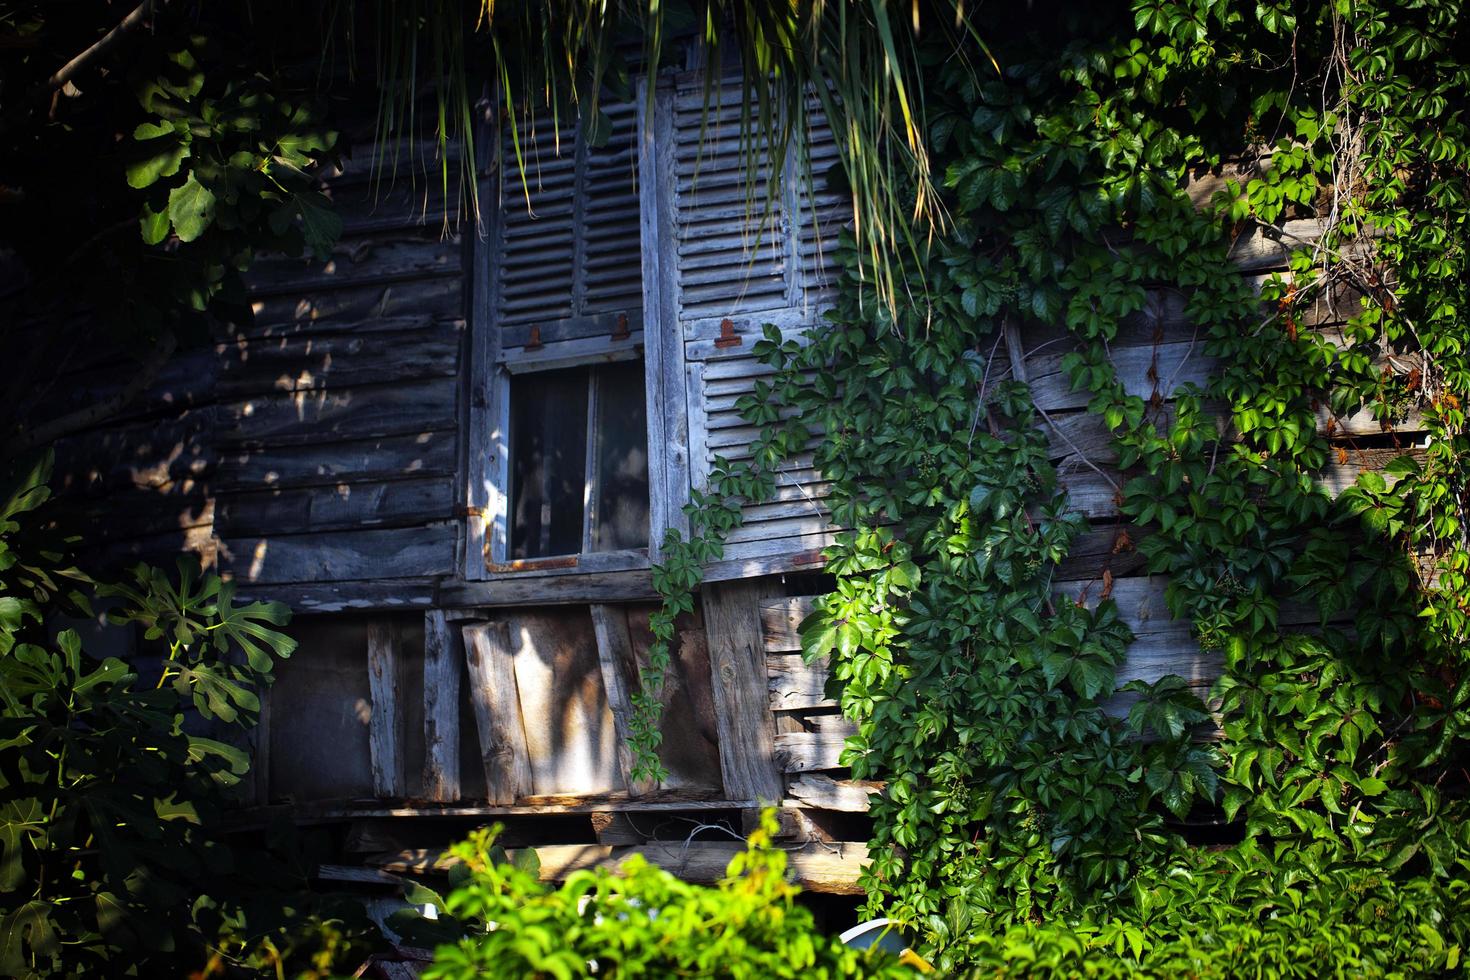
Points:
579	461
619	291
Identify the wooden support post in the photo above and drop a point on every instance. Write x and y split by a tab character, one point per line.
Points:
497	702
385	723
619	672
441	709
741	690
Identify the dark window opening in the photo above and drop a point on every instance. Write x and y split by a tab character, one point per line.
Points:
578	461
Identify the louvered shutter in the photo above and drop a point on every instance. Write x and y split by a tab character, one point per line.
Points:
568	252
744	261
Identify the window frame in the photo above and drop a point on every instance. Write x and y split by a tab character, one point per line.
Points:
650	333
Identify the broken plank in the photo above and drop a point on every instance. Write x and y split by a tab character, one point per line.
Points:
796	684
825	793
820	749
496	700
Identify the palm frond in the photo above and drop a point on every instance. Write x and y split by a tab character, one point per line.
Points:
857	61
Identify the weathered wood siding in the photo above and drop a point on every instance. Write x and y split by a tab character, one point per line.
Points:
338	422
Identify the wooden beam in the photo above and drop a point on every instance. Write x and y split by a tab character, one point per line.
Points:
386	720
441	709
832	868
619	672
741	690
497	703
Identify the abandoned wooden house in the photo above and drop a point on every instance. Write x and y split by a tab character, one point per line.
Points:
454	456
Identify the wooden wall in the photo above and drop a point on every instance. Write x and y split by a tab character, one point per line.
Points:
337	434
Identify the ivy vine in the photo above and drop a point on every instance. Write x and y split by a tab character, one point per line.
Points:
1022	785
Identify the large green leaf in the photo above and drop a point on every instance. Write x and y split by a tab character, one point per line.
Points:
249	628
160	154
320	225
191	209
27	934
21	821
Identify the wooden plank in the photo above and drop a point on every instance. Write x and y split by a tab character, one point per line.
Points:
826	793
368	412
510	589
796	685
619	674
260	746
781	620
335	556
831	868
357	876
1270	247
441	709
345	506
331	597
431	350
391	256
420	455
690	746
742	702
820	748
386	720
371	307
570	737
496	700
487	439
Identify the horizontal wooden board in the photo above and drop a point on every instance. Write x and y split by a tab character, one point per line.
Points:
393	503
382	257
391	205
368	412
313	464
825	793
828	867
185	382
163	455
290	364
341	555
795	684
388	595
814	750
371	307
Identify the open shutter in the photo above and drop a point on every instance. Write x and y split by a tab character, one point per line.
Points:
744	261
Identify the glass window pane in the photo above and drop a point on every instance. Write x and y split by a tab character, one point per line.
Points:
548	453
620	509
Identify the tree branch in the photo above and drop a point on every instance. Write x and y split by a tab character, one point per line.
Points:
136	18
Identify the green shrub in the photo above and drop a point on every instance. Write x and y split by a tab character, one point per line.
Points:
112	855
640	922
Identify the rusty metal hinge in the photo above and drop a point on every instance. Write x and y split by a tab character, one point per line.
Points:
727	337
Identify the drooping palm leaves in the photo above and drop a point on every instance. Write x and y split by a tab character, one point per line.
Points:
857	61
